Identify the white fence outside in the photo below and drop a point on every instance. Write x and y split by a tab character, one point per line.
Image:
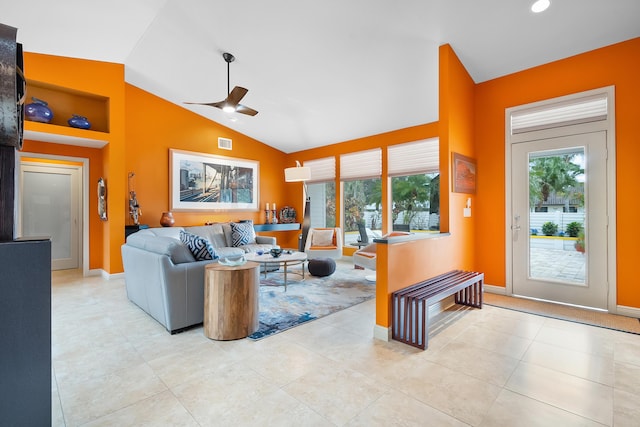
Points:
536	219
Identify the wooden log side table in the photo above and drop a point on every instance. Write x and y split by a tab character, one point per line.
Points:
231	300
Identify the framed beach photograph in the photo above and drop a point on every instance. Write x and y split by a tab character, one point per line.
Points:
464	174
200	181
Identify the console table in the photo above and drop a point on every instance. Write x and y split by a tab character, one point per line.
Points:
277	227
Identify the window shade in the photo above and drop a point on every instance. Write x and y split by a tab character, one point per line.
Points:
322	169
414	157
361	165
585	110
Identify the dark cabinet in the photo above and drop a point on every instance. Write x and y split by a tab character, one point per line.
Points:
25	333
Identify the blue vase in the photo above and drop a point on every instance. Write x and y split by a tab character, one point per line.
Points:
79	122
38	111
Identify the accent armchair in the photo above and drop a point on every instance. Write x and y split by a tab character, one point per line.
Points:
324	243
366	257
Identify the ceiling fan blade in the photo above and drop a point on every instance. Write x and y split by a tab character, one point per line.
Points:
218	104
245	110
236	95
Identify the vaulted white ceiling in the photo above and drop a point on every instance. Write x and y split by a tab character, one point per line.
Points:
317	72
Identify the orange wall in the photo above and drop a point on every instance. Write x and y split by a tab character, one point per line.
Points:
154	126
102	79
613	65
403	264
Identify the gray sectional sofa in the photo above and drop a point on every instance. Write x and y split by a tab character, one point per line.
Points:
164	279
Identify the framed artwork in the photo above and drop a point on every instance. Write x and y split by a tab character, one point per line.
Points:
200	181
464	174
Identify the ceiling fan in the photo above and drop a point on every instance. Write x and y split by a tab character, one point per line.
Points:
232	102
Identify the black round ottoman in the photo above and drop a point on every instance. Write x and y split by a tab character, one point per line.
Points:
322	267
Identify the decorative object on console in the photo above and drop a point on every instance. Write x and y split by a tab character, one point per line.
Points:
287	215
79	122
134	207
301	174
200	181
274	215
38	111
267	211
198	246
102	199
167	220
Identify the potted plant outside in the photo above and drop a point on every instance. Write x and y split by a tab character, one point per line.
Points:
549	228
573	228
579	245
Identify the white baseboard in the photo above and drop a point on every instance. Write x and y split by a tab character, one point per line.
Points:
628	311
94	272
115	276
105	275
492	289
382	333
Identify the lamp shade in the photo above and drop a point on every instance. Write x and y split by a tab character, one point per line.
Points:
297	173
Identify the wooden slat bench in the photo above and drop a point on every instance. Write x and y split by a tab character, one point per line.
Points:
410	306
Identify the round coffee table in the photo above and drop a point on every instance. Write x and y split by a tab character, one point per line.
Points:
285	260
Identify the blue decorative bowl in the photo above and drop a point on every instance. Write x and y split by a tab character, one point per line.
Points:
275	252
79	122
38	111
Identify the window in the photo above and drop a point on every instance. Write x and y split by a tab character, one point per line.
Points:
322	191
563	113
415	185
361	193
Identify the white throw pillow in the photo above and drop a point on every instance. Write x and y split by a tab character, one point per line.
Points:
322	238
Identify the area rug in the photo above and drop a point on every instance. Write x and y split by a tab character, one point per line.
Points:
565	312
308	299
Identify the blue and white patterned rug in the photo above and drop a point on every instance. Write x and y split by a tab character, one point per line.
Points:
309	299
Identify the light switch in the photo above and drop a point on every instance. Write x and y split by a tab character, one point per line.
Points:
467	212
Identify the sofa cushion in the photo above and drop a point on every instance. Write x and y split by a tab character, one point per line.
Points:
322	237
242	233
199	246
161	245
214	233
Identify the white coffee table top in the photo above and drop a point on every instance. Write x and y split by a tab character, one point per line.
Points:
284	258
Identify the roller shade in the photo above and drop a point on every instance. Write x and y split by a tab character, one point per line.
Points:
585	110
361	165
322	169
414	157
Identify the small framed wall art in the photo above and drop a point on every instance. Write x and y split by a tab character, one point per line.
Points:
464	174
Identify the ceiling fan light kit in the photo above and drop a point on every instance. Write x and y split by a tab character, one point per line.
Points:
540	6
232	103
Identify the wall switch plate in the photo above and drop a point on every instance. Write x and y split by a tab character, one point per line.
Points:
467	212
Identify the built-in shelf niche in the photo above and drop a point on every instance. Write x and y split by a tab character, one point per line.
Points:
65	102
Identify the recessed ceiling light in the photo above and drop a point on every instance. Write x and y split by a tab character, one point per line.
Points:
540	6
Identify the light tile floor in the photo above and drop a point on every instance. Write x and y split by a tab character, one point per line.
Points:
115	366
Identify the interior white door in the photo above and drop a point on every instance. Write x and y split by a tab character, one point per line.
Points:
559	273
50	206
